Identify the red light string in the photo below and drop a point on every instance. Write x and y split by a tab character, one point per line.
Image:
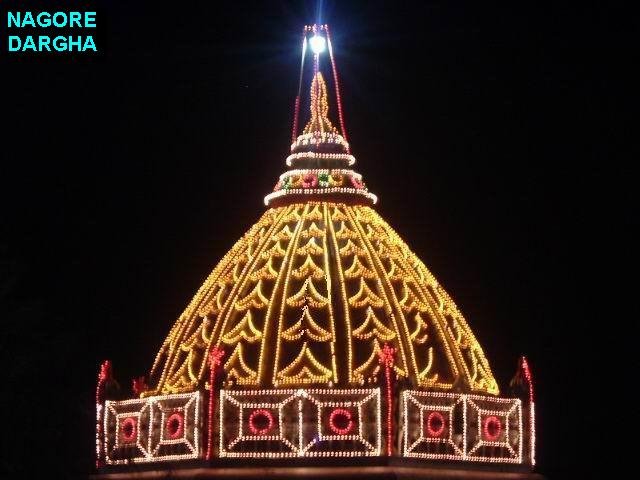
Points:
175	425
129	429
387	358
139	385
436	418
296	108
346	416
337	84
104	375
260	413
215	360
527	375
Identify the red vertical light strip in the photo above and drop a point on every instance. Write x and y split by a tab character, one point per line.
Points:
103	376
527	375
296	108
337	84
386	358
215	359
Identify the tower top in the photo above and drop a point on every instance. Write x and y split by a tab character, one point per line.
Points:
320	160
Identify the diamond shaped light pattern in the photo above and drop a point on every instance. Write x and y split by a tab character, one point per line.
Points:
151	429
300	423
450	426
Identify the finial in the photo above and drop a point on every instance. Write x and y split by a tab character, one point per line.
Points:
320	158
319	121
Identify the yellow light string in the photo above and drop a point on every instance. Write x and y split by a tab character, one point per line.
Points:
327	221
285	274
337	215
319	121
353	213
298	234
245	330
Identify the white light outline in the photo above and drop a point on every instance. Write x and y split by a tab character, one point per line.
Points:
302	450
511	406
191	424
320	191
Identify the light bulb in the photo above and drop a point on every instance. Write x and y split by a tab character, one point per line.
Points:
317	44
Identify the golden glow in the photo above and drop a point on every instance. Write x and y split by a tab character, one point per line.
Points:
273	299
306	327
244	330
372	327
319	121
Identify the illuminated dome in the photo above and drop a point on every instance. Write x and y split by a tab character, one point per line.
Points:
314	289
308	296
315	323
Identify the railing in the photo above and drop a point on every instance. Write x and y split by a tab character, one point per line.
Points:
297	423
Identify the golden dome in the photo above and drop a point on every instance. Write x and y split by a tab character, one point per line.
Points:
308	296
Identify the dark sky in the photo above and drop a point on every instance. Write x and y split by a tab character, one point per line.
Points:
125	176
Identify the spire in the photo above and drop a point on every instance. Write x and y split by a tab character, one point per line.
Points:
319	106
320	160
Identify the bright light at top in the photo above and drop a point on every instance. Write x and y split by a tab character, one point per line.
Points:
317	44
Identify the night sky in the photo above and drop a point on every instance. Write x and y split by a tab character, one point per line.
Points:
127	175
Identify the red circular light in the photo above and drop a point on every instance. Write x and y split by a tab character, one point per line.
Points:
435	424
340	421
260	421
129	429
175	425
492	428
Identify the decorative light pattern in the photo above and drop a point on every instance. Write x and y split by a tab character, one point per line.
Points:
174	425
215	360
154	429
524	365
257	415
129	429
273	299
359	192
340	415
297	423
532	434
103	376
318	138
329	157
336	83
502	419
319	105
320	134
468	427
491	428
387	360
334	177
436	424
